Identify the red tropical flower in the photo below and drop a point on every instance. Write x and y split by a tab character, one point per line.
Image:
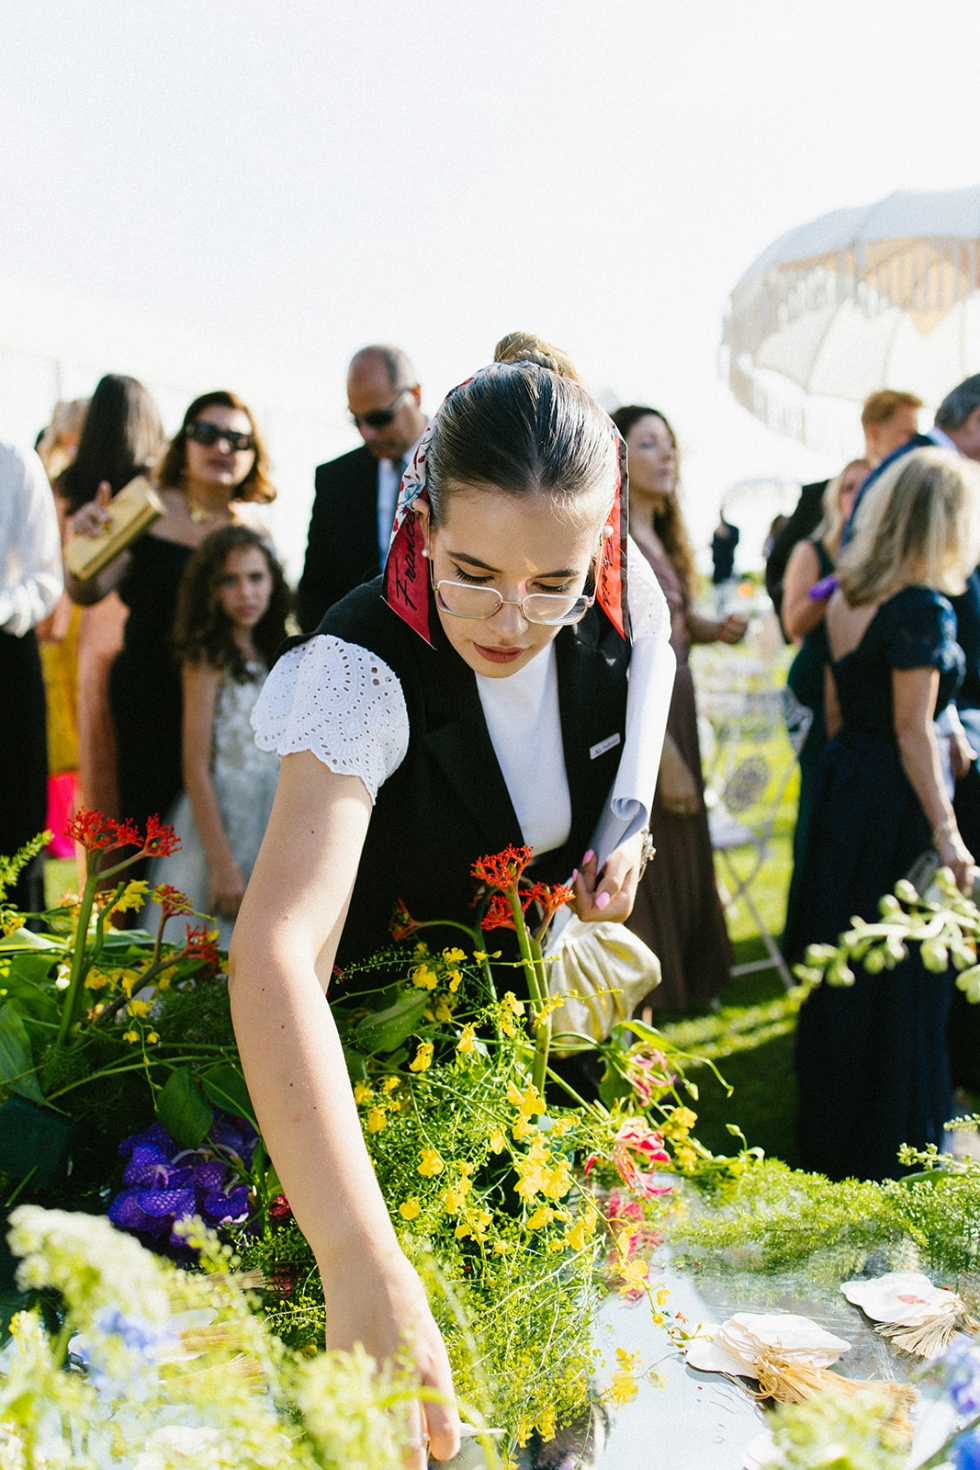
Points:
161	840
551	897
498	914
201	946
98	833
402	924
171	900
502	870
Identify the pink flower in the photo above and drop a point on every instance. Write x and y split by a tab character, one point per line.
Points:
636	1149
648	1073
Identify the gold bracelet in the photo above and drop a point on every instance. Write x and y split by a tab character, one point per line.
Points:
646	851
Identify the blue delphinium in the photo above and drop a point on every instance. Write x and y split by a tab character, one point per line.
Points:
962	1365
966	1452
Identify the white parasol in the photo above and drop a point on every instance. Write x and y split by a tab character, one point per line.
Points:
858	300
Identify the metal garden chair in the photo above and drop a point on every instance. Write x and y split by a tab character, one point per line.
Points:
756	745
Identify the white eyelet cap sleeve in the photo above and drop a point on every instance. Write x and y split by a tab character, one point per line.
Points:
339	701
649	614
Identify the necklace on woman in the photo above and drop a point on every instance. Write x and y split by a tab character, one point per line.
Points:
199	513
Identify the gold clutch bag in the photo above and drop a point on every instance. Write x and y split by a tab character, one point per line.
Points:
603	970
136	507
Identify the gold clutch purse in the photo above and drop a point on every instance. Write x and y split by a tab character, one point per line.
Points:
136	507
603	970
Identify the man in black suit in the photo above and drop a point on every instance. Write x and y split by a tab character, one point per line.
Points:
354	503
888	419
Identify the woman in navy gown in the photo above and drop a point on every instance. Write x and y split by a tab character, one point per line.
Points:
871	1059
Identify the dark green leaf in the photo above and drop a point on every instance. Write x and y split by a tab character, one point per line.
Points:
26	939
31	966
225	1086
387	1029
17	1072
356	1068
183	1109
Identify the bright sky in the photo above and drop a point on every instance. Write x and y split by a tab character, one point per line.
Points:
309	176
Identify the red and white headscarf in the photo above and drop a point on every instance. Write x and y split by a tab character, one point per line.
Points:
406	573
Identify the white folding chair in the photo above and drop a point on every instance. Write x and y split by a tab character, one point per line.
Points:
755	752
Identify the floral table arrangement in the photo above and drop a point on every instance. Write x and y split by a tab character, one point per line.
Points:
520	1203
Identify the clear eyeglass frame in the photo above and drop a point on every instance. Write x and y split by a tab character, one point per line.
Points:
552	609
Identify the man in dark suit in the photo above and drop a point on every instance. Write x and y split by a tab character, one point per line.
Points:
888	419
355	498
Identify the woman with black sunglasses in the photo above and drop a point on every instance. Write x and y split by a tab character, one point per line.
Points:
215	469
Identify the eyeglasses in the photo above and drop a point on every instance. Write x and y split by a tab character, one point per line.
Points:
207	434
551	608
380	418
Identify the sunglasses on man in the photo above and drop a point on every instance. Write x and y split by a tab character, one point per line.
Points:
380	418
208	434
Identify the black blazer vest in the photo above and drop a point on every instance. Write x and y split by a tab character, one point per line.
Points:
448	804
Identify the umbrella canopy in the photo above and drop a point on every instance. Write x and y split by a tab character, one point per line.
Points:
858	300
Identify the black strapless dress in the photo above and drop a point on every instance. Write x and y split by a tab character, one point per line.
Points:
144	684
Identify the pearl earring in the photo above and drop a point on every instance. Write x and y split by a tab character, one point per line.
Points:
425	552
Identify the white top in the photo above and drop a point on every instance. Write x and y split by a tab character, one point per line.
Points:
345	704
941	439
389	483
533	770
31	578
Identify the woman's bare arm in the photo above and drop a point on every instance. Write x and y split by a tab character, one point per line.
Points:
716	630
201	683
800	613
914	698
281	958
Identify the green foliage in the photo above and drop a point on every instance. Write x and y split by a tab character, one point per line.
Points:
183	1109
181	1370
16	1060
12	867
944	923
838	1431
775	1217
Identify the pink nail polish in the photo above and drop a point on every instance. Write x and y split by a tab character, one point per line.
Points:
602	900
574	874
588	857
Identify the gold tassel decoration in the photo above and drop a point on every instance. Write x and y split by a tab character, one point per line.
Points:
926	1339
788	1382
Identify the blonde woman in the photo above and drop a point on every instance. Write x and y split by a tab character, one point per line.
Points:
872	1063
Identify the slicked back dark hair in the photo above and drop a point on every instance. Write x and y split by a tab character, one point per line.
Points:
202	632
524	431
122	437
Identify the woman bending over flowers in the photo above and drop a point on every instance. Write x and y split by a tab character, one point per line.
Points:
474	696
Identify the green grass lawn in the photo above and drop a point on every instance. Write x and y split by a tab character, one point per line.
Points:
763	1103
